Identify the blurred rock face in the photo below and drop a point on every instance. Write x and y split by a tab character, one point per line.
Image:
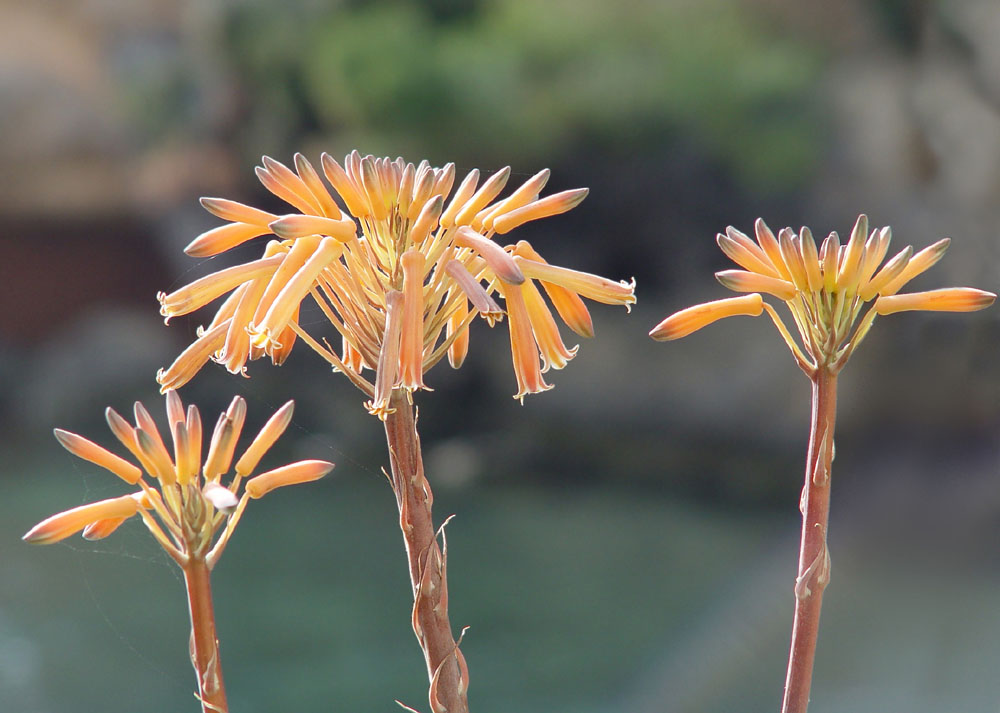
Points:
77	80
916	136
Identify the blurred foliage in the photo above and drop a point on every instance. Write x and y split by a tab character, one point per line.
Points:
504	81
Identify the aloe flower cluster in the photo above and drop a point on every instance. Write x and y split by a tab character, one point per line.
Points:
399	268
825	289
183	502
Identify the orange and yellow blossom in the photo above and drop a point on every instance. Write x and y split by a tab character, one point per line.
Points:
190	504
825	289
397	267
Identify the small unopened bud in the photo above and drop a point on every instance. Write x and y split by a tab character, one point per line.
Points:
270	433
299	226
543	208
60	526
743	281
952	299
236	212
694	318
301	472
88	450
102	528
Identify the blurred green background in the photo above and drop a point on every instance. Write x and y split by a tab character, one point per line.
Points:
625	542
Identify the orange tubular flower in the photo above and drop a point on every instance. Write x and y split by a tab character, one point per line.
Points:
186	510
397	233
825	289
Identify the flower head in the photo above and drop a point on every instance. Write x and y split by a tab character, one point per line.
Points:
399	268
825	288
189	503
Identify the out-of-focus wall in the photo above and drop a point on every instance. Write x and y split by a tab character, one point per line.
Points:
682	116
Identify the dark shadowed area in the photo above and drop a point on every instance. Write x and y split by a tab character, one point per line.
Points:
624	542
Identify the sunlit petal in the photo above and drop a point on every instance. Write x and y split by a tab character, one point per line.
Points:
301	472
951	299
63	525
680	324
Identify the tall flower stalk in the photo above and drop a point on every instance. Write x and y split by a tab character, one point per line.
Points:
400	265
826	290
186	507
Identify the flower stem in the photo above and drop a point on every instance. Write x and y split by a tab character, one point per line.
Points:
204	643
814	559
446	670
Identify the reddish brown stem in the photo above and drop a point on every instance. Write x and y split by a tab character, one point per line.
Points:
204	642
449	678
814	560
